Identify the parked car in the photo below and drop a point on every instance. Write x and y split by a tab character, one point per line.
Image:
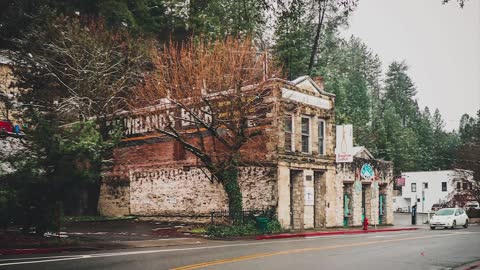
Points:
8	129
449	218
472	205
437	207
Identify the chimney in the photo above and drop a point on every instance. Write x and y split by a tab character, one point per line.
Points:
319	81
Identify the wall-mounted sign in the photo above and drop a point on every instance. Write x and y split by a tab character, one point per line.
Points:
306	99
367	172
344	144
309	196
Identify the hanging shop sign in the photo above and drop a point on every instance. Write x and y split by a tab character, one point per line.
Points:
344	144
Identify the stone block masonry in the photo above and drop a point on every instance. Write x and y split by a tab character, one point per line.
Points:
186	192
115	195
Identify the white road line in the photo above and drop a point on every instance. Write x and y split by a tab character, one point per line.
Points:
36	258
100	255
388	235
331	236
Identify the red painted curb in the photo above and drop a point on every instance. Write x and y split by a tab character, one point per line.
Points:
292	235
18	251
30	251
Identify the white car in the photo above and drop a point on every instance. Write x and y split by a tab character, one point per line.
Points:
449	218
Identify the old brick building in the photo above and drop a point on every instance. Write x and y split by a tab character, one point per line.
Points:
291	167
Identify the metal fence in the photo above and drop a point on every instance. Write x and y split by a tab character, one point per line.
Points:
223	216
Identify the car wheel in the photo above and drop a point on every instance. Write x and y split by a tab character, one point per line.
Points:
466	224
454	224
432	227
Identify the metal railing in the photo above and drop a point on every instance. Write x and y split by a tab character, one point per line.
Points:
248	215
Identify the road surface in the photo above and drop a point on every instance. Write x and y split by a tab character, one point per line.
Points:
421	249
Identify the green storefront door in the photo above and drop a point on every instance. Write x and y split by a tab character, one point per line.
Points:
381	207
363	204
346	209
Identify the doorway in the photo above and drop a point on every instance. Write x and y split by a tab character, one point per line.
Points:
296	199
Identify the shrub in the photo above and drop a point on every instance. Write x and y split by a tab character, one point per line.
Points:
247	229
274	226
473	213
232	230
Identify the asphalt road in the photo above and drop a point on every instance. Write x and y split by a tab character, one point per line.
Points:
422	249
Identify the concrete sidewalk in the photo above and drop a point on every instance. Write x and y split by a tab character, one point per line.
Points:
332	232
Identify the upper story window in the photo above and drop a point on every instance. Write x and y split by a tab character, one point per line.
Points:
459	186
444	186
321	137
288	129
305	135
414	187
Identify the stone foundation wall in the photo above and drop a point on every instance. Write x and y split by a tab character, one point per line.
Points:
188	194
114	197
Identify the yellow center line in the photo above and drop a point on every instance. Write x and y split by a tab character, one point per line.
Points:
294	251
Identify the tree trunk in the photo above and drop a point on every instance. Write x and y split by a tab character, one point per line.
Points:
229	178
316	41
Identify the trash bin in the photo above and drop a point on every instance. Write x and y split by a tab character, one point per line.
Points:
262	224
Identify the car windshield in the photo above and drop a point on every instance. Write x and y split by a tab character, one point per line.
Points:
445	212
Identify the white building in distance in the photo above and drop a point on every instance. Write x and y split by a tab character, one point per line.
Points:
431	187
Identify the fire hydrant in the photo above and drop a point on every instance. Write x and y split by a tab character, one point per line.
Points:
365	223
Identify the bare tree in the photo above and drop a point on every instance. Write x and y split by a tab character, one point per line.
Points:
79	69
212	97
466	188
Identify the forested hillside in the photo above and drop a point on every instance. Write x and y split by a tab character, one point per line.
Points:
87	56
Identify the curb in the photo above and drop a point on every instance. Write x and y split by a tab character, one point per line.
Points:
24	251
292	235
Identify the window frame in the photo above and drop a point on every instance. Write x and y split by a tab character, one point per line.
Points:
444	184
321	146
413	187
308	135
292	133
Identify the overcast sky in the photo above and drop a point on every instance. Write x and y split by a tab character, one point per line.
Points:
440	43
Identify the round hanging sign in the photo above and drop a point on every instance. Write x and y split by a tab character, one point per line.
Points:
367	172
